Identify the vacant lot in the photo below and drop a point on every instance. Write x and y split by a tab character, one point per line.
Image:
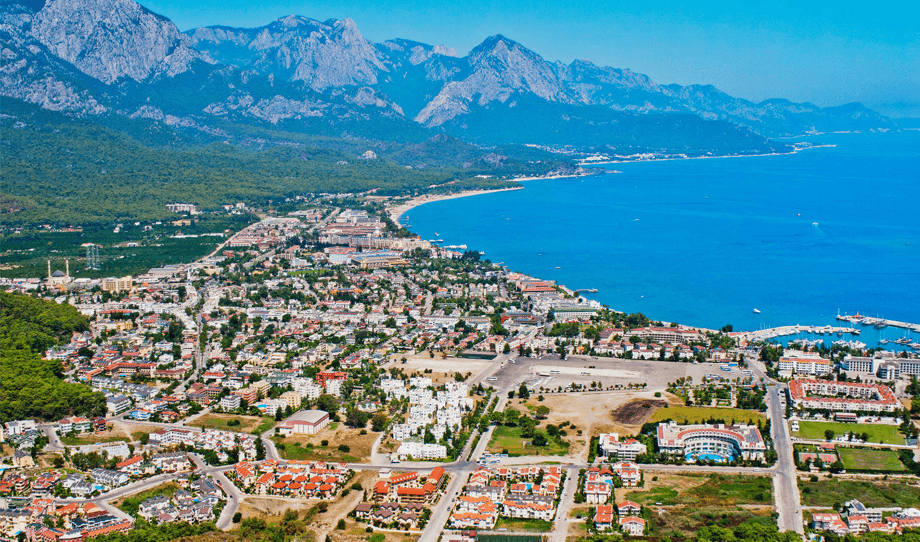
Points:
870	493
591	413
301	447
637	412
524	525
884	434
233	422
94	438
862	458
510	439
689	502
686	415
712	490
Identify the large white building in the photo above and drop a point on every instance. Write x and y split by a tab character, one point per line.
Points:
705	441
623	450
842	396
420	450
304	422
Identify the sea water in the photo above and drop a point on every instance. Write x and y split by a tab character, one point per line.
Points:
706	241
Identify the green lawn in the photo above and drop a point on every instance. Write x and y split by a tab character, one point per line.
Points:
524	525
665	495
288	450
861	458
509	438
872	494
884	434
686	415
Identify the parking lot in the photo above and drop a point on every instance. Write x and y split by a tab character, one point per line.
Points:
551	372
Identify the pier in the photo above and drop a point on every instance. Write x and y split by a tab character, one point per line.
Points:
773	332
877	322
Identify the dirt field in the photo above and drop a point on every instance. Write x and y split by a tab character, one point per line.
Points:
591	413
219	421
437	364
636	412
295	447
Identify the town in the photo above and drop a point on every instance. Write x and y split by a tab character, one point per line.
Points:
331	365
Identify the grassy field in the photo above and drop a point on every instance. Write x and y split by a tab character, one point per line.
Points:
524	525
685	415
131	504
233	422
667	496
872	494
884	434
689	502
309	447
92	438
509	438
861	458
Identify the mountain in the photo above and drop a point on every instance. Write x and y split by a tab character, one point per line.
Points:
298	77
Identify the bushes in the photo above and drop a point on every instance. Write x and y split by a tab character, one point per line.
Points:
344	448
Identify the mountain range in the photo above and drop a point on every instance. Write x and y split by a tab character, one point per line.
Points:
107	59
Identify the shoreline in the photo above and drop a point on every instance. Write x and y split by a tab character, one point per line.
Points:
672	159
397	211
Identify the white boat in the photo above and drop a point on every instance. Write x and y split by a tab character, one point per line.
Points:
756	311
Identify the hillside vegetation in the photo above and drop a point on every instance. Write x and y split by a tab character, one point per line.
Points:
31	387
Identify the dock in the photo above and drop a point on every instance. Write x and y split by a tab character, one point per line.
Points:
773	332
877	322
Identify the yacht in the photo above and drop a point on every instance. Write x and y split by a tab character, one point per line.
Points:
756	311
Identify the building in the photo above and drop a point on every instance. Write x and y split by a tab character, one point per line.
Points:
621	450
721	443
632	525
304	422
842	396
419	450
230	402
117	285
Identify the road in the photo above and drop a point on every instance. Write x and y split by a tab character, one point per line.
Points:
441	512
561	523
785	480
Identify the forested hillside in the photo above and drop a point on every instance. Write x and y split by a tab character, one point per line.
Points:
32	387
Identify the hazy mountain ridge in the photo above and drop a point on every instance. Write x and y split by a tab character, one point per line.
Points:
100	56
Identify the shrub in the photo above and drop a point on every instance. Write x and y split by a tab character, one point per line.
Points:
340	525
237	517
344	448
324	442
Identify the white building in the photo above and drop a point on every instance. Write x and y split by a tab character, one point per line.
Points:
622	450
421	451
304	422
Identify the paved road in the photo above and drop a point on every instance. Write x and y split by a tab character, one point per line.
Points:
785	481
441	512
561	523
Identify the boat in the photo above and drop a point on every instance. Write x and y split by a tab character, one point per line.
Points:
557	267
814	224
756	311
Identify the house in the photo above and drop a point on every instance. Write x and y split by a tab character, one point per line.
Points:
623	450
632	525
628	508
603	517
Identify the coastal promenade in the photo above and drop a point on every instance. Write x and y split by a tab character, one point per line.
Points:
782	331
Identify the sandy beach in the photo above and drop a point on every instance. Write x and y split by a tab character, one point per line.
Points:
397	211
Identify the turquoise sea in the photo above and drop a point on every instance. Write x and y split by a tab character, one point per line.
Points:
704	242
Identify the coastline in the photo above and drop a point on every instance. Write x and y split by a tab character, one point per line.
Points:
401	209
395	212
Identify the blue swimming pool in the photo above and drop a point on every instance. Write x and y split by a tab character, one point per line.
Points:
718	458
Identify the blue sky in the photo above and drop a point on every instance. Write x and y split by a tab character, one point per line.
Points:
828	53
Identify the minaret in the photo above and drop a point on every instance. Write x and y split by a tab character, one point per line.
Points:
67	267
49	269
